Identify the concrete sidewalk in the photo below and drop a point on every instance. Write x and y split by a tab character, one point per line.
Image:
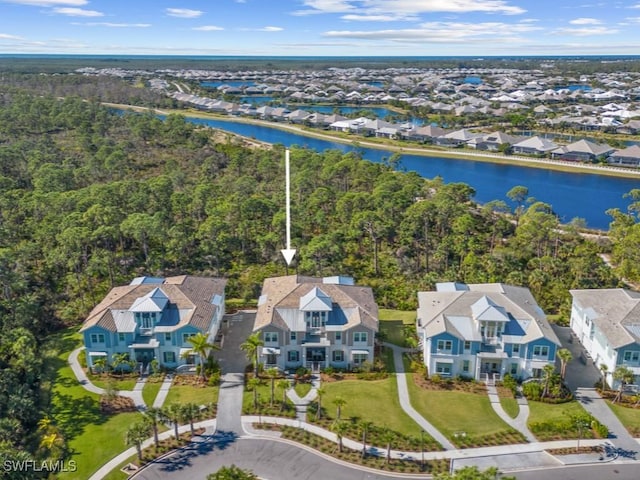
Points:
520	422
163	392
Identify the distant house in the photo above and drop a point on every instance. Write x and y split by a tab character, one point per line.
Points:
493	141
534	146
316	322
153	318
484	331
607	323
629	156
456	138
582	151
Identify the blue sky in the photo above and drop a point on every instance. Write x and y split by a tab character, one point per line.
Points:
321	27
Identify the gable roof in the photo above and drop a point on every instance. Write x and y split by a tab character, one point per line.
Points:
184	300
283	299
537	143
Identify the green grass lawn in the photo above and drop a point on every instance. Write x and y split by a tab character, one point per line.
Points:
393	322
365	401
92	437
557	418
264	394
200	395
302	389
510	406
452	412
150	392
125	383
630	417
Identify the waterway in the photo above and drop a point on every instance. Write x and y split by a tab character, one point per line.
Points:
570	195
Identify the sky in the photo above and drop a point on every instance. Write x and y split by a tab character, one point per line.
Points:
321	27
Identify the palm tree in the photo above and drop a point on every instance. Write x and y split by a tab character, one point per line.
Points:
101	364
172	413
339	427
565	357
319	392
604	369
548	371
624	376
119	359
189	413
284	385
272	373
388	436
136	434
251	347
339	402
155	417
201	346
365	426
253	384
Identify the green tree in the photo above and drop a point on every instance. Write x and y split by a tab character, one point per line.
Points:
388	436
284	385
251	346
201	346
253	385
339	402
604	370
319	394
624	376
473	473
339	427
232	473
173	414
365	427
136	434
190	413
118	360
565	357
547	375
155	416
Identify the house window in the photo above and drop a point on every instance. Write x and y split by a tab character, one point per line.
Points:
167	337
541	351
467	345
465	366
338	356
97	338
445	345
631	356
360	337
169	357
270	337
121	337
338	336
187	336
515	348
292	336
147	321
293	356
359	358
443	368
514	369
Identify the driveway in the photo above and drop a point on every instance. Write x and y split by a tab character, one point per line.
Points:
578	373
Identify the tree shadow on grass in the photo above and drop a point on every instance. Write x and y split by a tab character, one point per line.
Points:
73	414
204	445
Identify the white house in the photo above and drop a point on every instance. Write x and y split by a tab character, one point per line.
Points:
484	331
607	323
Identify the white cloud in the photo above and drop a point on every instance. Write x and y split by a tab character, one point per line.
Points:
208	28
442	32
7	36
631	20
407	7
378	18
585	21
586	31
113	25
77	12
262	29
49	3
183	12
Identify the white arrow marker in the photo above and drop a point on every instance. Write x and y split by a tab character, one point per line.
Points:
288	253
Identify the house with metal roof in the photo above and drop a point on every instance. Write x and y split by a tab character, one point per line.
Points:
607	323
484	331
316	323
153	318
629	156
534	146
582	151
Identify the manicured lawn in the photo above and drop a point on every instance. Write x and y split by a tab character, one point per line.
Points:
553	422
92	437
510	405
454	412
630	417
200	395
264	394
302	389
150	392
375	401
125	383
393	322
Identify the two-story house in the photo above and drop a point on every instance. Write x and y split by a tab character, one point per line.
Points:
607	323
316	322
484	331
153	318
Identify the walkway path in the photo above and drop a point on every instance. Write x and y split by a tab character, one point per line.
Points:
405	401
163	392
302	404
596	406
520	422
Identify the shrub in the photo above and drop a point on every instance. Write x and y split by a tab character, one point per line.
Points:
599	429
532	390
509	382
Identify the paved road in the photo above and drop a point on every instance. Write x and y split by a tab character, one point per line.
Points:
609	471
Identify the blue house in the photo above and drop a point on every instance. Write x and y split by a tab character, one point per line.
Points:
153	318
484	331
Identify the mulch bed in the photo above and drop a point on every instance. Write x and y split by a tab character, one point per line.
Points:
450	385
117	404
